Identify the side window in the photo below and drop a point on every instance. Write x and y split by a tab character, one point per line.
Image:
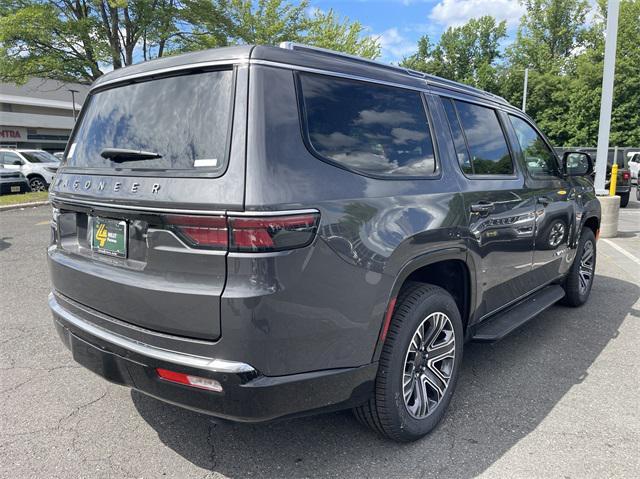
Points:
370	128
487	143
538	157
11	158
458	137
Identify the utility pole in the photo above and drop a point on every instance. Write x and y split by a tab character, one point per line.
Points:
73	103
607	95
524	91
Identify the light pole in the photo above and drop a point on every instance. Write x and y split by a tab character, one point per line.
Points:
73	103
524	91
607	95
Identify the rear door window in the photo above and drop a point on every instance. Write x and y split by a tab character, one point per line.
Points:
485	139
186	119
367	127
460	143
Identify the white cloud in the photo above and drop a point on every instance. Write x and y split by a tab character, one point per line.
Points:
395	46
457	12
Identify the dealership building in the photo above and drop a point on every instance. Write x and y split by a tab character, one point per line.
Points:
39	114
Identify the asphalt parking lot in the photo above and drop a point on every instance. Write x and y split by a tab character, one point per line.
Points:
559	398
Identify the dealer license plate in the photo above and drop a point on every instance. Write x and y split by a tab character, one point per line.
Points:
109	236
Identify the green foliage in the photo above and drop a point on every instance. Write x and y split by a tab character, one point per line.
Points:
467	53
326	30
77	40
565	57
549	31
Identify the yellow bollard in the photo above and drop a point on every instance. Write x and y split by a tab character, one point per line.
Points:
614	180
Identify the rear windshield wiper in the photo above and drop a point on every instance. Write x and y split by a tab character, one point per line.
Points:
122	154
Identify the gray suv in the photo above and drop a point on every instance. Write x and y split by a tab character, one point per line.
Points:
259	232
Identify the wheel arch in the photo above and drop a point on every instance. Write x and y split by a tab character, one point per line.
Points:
452	269
35	175
593	223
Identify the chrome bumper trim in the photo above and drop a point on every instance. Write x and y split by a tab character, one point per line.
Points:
199	362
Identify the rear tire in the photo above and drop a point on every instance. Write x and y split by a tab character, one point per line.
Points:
418	366
579	281
624	199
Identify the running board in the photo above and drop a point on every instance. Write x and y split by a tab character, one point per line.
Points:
506	322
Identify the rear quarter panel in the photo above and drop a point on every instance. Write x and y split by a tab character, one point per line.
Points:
335	295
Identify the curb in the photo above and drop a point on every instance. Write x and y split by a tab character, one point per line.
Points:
23	205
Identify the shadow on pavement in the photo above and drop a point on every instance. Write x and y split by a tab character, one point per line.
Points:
503	394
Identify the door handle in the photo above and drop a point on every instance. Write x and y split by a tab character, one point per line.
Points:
482	207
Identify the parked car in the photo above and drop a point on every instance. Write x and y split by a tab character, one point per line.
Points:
12	182
634	165
623	183
37	165
317	232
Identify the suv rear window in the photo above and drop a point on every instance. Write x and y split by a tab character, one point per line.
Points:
370	128
186	119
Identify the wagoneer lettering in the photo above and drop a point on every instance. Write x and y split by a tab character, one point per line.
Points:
359	224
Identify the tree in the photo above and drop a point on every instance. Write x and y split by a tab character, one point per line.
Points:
76	40
326	30
467	53
586	85
269	22
549	32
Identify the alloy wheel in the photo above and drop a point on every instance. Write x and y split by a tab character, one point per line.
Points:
37	184
585	271
556	235
428	365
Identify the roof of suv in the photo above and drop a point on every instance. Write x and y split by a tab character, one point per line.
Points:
301	56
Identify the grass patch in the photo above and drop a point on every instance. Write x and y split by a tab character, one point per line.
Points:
23	198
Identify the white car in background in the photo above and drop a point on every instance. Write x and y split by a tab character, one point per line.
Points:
634	165
38	166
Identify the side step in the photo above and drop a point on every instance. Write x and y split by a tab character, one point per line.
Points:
506	322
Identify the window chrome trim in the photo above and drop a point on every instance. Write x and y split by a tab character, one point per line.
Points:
494	99
124	206
348	76
176	68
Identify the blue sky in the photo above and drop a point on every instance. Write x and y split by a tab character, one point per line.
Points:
400	23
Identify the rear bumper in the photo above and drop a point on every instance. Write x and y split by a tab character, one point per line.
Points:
248	396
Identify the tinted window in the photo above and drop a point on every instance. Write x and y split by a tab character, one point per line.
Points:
538	157
10	158
39	157
458	137
184	118
487	144
371	128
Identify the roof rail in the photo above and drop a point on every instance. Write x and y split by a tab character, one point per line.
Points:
430	79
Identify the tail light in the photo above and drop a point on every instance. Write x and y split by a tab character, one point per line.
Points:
208	232
245	233
274	233
626	175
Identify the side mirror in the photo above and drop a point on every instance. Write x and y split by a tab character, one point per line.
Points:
577	163
17	163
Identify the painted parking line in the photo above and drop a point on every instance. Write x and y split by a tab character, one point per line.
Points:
620	249
43	223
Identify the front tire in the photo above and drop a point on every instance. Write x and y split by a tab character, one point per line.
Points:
37	183
418	366
579	280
